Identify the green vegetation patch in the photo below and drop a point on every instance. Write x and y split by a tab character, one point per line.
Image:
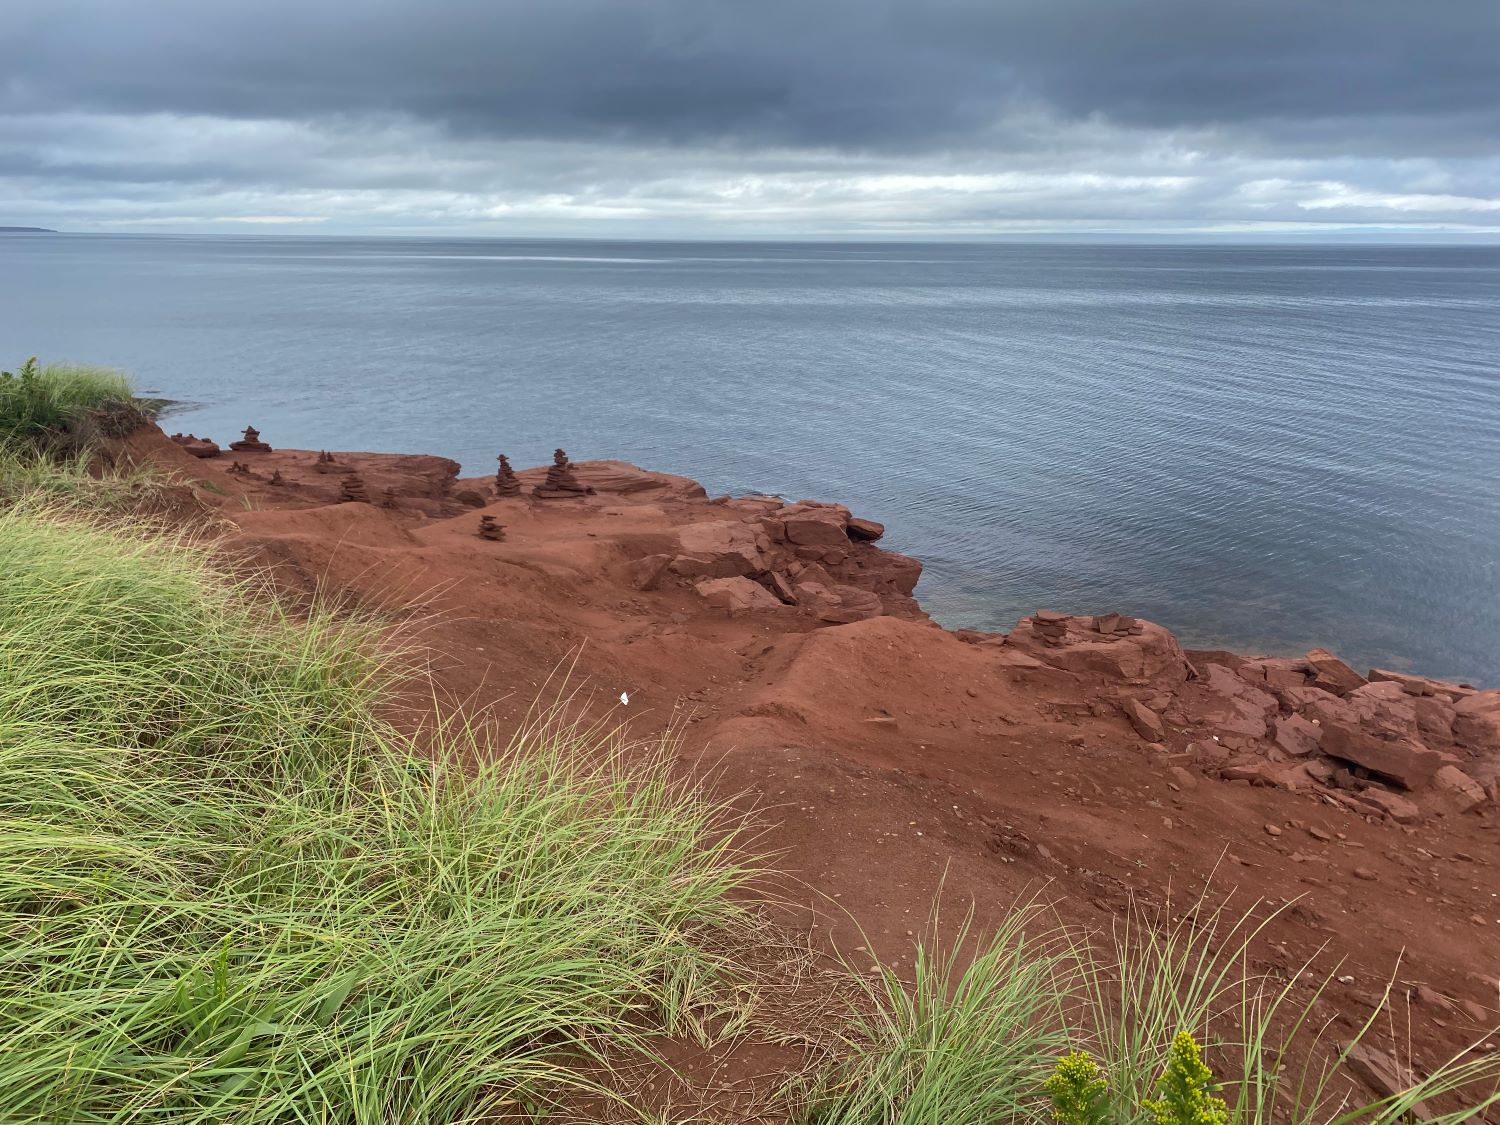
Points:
52	420
43	404
1168	1023
233	892
967	1040
79	480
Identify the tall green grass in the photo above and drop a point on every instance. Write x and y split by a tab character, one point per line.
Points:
80	481
39	403
967	1040
1278	1059
50	421
232	891
972	1039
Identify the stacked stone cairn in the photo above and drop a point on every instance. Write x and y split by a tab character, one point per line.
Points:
561	483
352	490
1050	626
326	463
277	479
250	443
239	468
490	529
506	481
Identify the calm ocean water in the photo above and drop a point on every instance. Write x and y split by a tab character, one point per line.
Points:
1264	448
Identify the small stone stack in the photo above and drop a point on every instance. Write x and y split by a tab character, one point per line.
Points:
352	490
506	481
561	483
1118	625
490	529
239	469
1050	626
277	479
250	443
326	463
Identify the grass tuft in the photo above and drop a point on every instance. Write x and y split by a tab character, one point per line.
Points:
1054	1029
79	481
51	420
41	404
966	1040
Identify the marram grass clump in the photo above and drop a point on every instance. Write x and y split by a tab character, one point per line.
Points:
1042	1024
79	480
42	403
52	420
966	1038
233	892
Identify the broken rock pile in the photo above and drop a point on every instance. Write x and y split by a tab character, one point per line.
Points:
1389	744
1139	656
197	446
811	558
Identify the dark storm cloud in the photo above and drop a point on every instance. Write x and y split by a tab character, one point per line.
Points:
896	75
686	117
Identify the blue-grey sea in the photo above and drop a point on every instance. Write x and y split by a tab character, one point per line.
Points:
1262	447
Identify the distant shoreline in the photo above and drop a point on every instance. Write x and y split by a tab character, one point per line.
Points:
28	230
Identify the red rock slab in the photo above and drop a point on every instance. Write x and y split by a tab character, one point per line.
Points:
1408	763
1332	674
1421	685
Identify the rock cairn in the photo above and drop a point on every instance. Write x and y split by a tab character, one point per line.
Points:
490	529
326	463
239	469
250	443
1050	626
277	479
506	481
561	483
352	490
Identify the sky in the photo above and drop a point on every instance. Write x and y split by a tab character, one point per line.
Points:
754	118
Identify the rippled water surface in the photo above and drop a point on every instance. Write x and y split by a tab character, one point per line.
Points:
1263	448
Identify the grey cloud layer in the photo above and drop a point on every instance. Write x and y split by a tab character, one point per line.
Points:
811	112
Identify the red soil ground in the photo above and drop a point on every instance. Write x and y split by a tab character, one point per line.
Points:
889	757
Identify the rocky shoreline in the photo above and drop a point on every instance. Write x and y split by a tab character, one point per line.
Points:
1387	743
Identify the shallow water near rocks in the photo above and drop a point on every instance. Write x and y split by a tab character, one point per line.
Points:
1264	448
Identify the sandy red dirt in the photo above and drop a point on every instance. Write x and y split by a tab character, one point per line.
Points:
1089	758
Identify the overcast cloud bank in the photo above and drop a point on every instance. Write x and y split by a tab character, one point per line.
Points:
751	118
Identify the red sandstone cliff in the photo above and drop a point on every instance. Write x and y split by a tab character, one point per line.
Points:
1088	754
